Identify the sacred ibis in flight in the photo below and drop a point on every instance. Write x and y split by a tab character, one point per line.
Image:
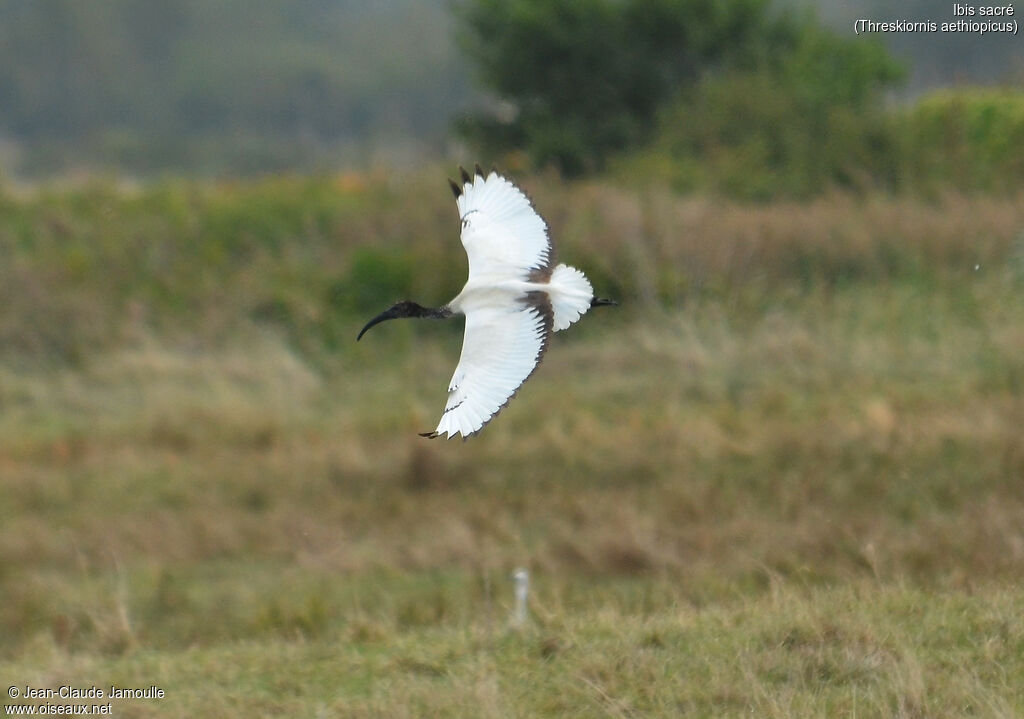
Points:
516	296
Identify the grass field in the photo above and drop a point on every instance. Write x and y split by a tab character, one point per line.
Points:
785	478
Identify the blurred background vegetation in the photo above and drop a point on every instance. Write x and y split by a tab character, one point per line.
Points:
784	478
746	97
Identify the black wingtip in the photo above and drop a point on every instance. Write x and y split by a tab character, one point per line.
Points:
599	302
478	170
494	169
456	190
429	435
465	175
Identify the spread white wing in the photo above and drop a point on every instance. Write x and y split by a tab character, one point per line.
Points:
507	322
503	344
503	235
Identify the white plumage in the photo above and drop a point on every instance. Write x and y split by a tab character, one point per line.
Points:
513	300
502	346
504	237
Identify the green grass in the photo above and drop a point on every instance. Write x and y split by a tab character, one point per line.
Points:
785	478
863	649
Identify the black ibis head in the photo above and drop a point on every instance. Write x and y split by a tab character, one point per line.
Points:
405	309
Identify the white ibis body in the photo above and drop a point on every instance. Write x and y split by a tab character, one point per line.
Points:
514	299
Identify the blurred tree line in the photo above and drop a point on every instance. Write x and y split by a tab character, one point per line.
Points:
591	77
740	97
749	98
224	85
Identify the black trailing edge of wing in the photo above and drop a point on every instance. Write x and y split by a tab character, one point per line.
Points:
465	175
456	190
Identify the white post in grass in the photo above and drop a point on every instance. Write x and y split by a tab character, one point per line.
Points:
522	588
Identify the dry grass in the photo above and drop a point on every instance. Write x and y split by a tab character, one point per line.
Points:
660	246
805	498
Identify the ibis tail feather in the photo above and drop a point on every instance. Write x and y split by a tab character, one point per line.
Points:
571	295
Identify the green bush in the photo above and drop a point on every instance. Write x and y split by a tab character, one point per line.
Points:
587	79
792	128
795	132
376	279
969	139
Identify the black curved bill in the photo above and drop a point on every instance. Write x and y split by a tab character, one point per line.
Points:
388	314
